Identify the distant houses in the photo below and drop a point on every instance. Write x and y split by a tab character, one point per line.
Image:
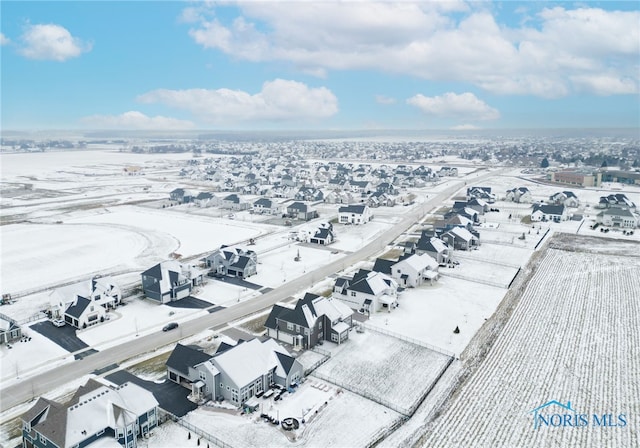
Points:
170	280
312	320
96	415
618	217
301	211
519	194
483	193
235	373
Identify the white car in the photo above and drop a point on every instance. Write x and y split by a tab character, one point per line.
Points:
58	322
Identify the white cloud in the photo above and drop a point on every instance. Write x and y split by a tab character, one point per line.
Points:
4	40
51	42
465	127
279	100
383	99
465	106
541	56
136	120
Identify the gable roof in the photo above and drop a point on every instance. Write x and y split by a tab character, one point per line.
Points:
357	209
384	266
182	357
76	309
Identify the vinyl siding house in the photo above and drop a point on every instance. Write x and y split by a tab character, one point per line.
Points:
181	195
9	329
234	262
86	303
413	270
367	291
566	198
264	206
616	200
460	238
483	193
519	194
233	202
323	236
235	373
170	280
617	217
544	212
96	415
434	247
301	211
206	199
354	214
314	318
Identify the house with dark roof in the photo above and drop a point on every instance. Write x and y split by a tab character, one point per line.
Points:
367	291
313	318
206	199
435	247
380	199
181	195
309	194
170	280
235	373
96	415
616	200
264	206
9	329
618	217
86	303
546	212
300	210
354	214
566	198
519	194
234	202
323	236
459	238
232	261
84	313
483	193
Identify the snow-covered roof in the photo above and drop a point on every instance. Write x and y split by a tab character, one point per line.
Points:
419	262
340	327
461	232
333	309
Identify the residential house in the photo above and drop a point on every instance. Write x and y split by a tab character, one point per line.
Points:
413	270
566	198
367	291
435	247
86	303
234	262
309	194
206	199
386	188
617	217
380	199
460	238
314	318
301	211
234	202
354	214
519	194
170	280
448	171
616	200
264	206
324	235
181	195
483	193
479	205
545	212
235	373
97	414
9	329
339	197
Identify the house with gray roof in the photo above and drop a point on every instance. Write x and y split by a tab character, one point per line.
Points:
459	238
313	318
232	261
170	280
9	329
354	214
324	236
546	212
264	206
97	414
618	217
206	199
300	210
367	291
235	373
435	247
86	303
566	198
519	194
234	202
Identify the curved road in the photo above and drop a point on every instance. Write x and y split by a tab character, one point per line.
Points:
45	382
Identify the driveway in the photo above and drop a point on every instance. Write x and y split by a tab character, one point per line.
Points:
238	282
171	396
65	337
190	302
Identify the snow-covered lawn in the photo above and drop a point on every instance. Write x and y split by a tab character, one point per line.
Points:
431	313
347	420
352	237
386	368
572	337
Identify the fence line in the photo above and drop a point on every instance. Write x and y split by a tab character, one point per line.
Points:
461	256
408	339
325	357
474	279
164	415
382	433
39	315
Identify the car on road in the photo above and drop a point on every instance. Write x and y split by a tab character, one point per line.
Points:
170	326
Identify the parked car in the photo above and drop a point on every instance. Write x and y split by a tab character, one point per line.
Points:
58	322
170	326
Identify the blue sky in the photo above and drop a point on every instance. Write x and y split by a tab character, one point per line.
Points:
319	65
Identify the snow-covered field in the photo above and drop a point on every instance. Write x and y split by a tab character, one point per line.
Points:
347	420
387	369
573	337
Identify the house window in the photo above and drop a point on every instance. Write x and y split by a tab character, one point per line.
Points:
203	376
289	326
353	293
221	386
334	337
320	325
43	440
297	328
306	331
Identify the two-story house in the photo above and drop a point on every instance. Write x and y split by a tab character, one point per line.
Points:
367	291
170	280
